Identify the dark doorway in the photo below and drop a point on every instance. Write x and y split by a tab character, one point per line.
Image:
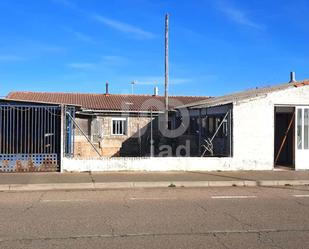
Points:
284	136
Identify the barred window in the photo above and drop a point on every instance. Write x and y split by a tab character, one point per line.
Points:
119	126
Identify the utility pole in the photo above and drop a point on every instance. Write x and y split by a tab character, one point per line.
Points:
151	135
166	68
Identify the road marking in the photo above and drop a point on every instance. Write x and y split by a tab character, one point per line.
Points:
67	200
152	198
128	235
233	196
300	196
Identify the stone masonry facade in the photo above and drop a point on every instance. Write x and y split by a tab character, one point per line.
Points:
109	145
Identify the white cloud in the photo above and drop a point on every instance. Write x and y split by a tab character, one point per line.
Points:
159	80
82	37
120	26
11	58
81	65
64	2
114	60
103	62
124	27
237	15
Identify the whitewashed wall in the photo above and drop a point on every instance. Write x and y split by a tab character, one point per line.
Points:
253	137
254	125
159	164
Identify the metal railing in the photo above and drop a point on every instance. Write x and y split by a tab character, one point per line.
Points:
29	137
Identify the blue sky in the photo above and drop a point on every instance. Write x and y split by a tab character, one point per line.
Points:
216	47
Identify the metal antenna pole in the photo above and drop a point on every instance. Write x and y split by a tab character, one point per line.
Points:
133	83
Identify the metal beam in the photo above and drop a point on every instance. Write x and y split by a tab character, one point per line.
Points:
209	145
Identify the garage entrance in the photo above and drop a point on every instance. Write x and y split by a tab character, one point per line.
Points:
30	138
284	137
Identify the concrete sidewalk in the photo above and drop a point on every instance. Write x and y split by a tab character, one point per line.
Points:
114	180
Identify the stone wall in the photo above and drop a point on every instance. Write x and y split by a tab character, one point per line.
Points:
130	144
83	149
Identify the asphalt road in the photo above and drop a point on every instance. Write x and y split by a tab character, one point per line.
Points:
157	218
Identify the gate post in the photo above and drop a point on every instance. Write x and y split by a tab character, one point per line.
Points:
62	127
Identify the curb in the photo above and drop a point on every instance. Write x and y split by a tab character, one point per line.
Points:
129	185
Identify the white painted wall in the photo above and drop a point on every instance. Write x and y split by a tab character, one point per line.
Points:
157	164
253	137
254	125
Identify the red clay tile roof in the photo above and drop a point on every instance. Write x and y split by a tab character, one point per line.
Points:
112	102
